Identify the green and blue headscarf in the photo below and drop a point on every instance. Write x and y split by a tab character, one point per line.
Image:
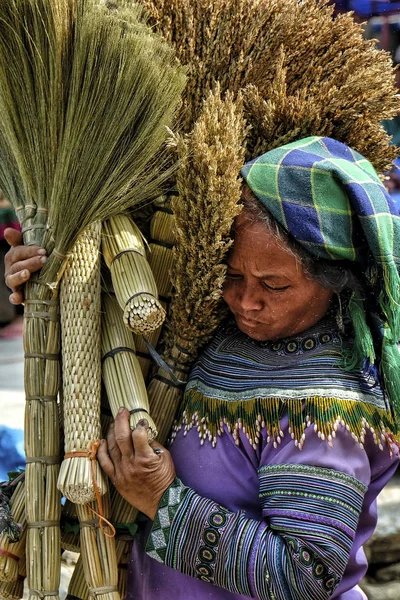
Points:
331	200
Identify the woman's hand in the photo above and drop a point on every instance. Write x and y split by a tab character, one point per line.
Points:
140	471
20	262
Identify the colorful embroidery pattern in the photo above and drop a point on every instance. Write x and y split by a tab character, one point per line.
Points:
300	550
239	383
315	511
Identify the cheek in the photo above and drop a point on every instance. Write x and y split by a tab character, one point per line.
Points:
228	293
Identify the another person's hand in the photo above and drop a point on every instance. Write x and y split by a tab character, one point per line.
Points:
140	471
20	262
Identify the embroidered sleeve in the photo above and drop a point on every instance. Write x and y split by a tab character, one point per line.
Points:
299	551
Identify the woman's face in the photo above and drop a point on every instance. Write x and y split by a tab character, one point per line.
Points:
267	289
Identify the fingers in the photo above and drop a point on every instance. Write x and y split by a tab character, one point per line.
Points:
105	461
141	441
123	434
20	261
13	237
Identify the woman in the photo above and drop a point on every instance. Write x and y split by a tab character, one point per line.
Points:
286	432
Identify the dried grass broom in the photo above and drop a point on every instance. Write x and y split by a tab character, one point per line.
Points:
122	375
84	104
12	553
135	289
209	192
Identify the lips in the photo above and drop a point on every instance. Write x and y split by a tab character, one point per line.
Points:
247	322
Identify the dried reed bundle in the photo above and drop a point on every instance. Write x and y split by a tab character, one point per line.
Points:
12	553
209	192
81	477
160	259
77	587
122	375
84	105
135	289
14	590
98	553
316	73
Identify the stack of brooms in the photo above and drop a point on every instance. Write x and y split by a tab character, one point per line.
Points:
261	73
85	100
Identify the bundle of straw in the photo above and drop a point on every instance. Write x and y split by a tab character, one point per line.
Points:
122	375
135	289
14	590
84	103
98	552
209	192
160	259
316	74
80	475
12	553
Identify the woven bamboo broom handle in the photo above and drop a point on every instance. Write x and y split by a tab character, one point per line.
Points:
80	476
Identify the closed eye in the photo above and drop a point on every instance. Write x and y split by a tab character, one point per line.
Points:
275	289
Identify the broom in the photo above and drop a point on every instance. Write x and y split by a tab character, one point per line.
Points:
83	113
209	161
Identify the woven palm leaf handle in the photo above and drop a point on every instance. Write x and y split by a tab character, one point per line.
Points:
160	259
12	553
121	370
135	289
81	480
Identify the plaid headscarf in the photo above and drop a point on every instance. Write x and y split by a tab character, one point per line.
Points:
330	199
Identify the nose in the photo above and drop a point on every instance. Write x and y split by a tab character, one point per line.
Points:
249	298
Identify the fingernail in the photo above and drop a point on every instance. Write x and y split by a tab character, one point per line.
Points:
24	274
121	410
43	259
102	442
12	299
42	251
143	423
